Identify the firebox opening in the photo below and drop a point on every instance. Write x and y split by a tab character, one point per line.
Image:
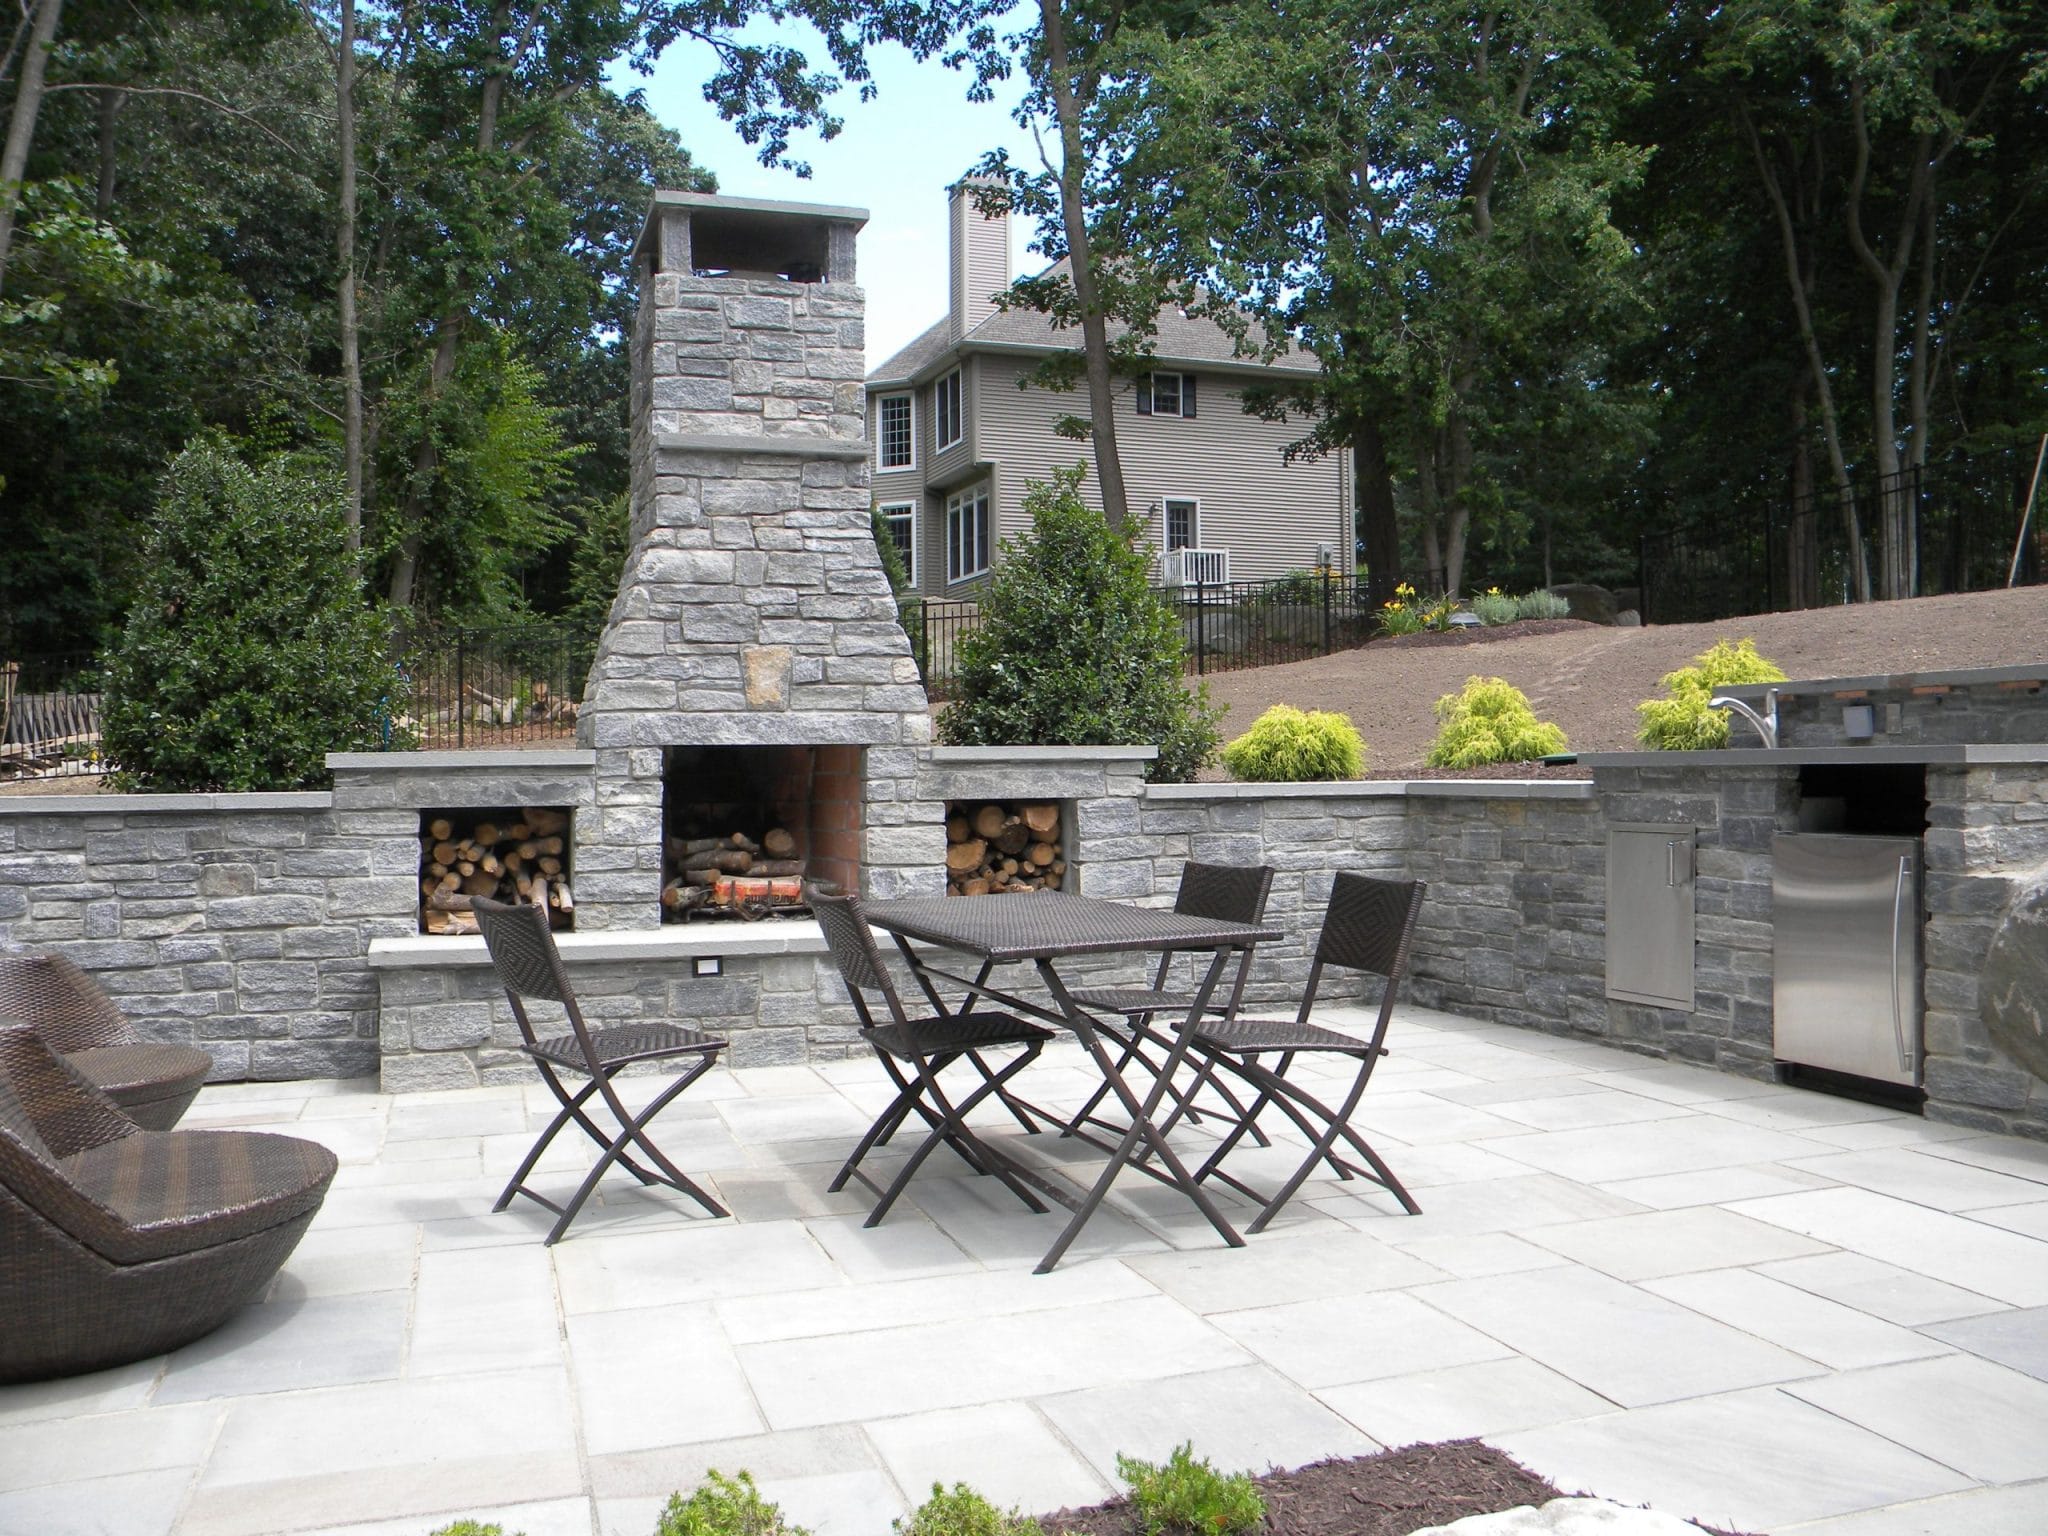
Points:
508	854
744	827
998	846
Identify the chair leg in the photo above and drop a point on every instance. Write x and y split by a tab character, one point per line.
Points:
951	1129
634	1133
572	1108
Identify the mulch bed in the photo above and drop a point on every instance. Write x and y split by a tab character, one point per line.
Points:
1391	1494
1480	634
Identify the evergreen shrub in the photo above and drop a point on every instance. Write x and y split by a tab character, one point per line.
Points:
250	652
1490	721
964	1512
1290	746
1184	1496
1681	720
724	1506
1541	604
1074	648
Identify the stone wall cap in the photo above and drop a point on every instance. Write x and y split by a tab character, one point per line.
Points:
787	446
1040	756
311	801
796	936
1381	789
492	762
1929	753
1967	677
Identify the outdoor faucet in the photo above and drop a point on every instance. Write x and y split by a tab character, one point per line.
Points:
1766	723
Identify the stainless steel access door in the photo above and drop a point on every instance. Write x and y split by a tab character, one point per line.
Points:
1845	949
1650	914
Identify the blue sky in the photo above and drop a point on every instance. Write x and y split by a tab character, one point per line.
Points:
895	157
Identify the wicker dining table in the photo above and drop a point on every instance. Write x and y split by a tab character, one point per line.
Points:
1042	930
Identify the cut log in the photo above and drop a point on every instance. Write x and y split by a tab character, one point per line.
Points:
779	844
731	861
956	829
1042	819
976	887
440	829
782	867
967	855
1042	854
988	822
1014	836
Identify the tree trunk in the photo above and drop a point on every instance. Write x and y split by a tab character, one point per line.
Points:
345	240
111	101
21	123
1109	472
1374	481
1802	546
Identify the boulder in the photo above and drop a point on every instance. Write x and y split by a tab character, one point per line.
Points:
1594	604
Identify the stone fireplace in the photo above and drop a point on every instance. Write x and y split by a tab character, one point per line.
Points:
753	660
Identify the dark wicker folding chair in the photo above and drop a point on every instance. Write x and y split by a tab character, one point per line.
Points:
118	1243
1369	927
524	955
153	1084
914	1051
1231	893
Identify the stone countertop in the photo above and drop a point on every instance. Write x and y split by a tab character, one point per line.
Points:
2035	673
1932	754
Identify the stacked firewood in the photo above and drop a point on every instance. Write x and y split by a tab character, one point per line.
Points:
507	856
992	847
733	873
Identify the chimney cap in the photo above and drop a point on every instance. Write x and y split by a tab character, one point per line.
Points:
749	233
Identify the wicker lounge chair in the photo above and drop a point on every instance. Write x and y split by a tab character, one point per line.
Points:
914	1051
1370	926
118	1243
524	955
153	1084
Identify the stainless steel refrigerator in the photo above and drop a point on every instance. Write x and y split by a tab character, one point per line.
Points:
1846	954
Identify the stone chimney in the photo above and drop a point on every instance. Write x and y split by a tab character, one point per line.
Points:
753	613
979	259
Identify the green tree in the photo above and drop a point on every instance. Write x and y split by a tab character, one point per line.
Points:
248	654
1074	648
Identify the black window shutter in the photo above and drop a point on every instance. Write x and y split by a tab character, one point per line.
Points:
1145	395
1187	395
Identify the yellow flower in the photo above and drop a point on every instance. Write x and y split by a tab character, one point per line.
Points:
1493	591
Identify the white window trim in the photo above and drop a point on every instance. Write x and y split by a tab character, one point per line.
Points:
909	509
959	410
909	395
958	502
1166	504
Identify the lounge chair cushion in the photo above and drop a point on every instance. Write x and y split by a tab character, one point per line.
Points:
178	1191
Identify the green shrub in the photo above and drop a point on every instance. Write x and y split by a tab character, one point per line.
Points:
1490	721
1681	721
1290	746
1494	606
1074	648
471	1528
1186	1495
249	653
724	1506
963	1512
909	605
1542	605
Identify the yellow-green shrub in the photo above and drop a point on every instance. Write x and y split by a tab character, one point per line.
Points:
1490	721
1290	746
1681	721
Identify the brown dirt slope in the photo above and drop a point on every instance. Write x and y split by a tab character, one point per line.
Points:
1589	679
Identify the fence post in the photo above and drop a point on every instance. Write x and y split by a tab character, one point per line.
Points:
1326	610
1643	573
461	692
1201	626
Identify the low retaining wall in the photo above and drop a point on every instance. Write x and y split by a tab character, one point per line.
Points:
279	930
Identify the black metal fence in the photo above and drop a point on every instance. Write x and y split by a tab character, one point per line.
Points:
489	687
1225	627
50	716
1769	554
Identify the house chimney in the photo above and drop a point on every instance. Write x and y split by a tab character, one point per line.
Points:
979	249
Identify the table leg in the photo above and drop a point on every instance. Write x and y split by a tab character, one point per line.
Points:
1140	1112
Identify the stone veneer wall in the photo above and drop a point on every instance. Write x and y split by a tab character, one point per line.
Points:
1981	705
269	927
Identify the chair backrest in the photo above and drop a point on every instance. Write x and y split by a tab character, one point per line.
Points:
68	1008
523	953
1231	893
855	952
47	1113
1370	926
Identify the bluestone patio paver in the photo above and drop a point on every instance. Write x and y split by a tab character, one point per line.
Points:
1726	1298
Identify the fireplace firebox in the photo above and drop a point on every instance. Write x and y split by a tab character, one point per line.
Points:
744	827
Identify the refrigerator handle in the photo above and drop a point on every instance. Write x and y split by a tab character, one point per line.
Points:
1898	909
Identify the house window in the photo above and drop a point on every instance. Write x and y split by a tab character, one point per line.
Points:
894	442
901	519
1166	394
967	541
946	409
1183	524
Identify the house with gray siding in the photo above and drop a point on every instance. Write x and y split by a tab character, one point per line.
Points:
956	436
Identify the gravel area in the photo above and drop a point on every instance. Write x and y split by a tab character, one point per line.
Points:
1589	678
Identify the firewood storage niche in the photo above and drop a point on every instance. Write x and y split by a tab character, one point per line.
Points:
994	847
744	827
509	854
